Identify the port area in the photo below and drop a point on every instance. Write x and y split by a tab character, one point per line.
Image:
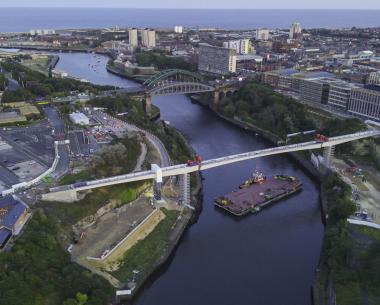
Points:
251	198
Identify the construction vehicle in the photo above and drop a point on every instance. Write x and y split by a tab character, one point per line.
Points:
320	138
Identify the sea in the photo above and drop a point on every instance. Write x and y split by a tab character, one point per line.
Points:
25	19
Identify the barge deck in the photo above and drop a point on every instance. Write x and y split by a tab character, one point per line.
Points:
252	198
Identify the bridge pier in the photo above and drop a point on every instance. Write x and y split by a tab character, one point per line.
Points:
148	104
185	189
328	154
215	100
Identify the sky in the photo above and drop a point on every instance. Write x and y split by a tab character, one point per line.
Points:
222	4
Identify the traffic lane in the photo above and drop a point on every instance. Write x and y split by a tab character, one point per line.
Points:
55	120
8	177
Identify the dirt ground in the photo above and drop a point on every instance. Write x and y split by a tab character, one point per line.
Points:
111	228
369	191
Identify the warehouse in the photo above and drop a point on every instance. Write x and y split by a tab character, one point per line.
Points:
79	118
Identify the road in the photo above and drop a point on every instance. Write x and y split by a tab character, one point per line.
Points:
119	127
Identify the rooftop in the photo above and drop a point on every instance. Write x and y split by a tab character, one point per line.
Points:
10	211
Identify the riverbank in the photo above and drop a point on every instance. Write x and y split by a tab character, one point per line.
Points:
137	78
188	218
305	163
336	206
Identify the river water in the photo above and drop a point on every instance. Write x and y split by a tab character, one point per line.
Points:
263	259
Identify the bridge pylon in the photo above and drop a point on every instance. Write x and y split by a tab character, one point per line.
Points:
185	189
148	103
328	154
215	100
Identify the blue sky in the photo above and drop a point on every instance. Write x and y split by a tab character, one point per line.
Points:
243	4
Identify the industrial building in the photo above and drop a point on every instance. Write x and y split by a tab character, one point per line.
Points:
365	103
79	118
13	216
216	60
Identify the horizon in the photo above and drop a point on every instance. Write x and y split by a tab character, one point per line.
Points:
192	8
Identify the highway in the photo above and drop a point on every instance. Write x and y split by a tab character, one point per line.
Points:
208	164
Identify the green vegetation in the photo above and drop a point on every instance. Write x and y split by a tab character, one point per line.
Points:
143	255
161	60
40	64
70	213
351	255
35	84
173	141
38	271
259	105
119	158
3	82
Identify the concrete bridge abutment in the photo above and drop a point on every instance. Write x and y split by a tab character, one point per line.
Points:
67	196
148	103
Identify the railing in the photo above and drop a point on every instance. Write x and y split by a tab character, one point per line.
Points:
233	158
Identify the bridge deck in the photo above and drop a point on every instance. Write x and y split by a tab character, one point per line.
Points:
207	164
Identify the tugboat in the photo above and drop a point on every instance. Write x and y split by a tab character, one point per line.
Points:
257	177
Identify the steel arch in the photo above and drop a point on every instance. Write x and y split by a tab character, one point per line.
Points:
162	79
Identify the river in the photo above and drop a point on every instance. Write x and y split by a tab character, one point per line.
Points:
264	259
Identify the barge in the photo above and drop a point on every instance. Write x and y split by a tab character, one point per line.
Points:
258	192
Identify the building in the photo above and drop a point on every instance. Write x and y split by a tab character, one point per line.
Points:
295	30
42	32
13	216
262	34
216	60
79	118
249	61
365	103
133	37
374	78
314	91
148	38
242	46
178	29
339	94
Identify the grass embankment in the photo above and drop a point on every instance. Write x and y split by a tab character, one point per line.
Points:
360	280
350	258
71	213
38	270
145	254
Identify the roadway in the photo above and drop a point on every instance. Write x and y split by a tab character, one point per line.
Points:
208	164
118	127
